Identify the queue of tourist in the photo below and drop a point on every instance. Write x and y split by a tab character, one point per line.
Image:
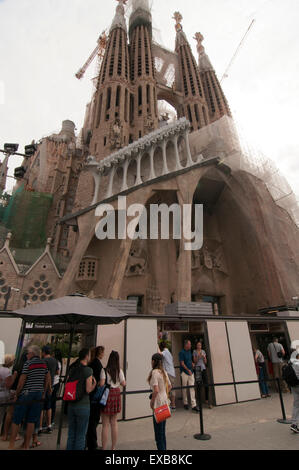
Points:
93	392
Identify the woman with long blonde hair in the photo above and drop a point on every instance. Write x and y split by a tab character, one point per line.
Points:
160	385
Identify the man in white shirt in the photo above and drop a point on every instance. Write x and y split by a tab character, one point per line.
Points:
169	368
276	354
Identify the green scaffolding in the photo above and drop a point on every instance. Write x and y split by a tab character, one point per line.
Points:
26	217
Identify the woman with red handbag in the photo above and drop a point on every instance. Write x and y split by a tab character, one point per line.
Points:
160	385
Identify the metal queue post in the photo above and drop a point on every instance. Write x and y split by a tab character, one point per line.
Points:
198	385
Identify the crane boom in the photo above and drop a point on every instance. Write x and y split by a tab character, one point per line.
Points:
225	75
99	50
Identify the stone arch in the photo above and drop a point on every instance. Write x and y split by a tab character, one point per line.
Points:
182	148
118	180
145	166
132	173
168	96
170	155
238	216
158	161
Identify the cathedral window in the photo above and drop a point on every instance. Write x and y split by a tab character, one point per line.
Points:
146	53
189	113
112	56
196	110
108	98
117	101
132	108
140	100
126	105
100	110
139	53
120	54
88	269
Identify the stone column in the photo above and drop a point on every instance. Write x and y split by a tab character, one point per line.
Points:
184	267
189	157
177	155
125	175
152	174
97	181
165	168
138	176
110	185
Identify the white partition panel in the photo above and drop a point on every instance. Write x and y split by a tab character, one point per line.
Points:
112	338
221	364
242	360
293	329
141	345
9	333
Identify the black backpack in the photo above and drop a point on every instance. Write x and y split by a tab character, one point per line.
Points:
289	375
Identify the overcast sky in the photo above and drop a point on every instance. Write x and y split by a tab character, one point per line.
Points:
43	43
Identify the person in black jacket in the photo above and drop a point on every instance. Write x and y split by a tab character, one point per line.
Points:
95	411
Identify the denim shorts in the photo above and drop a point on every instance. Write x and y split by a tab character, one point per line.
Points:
30	413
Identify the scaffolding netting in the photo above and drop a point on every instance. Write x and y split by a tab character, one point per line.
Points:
26	217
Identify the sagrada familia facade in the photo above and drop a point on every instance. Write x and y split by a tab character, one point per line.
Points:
250	255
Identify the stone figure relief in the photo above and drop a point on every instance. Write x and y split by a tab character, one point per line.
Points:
149	124
137	261
116	131
210	259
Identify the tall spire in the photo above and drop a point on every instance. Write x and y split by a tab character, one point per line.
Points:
195	106
204	63
181	39
215	97
141	15
119	19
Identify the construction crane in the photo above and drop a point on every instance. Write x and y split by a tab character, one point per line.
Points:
98	51
225	75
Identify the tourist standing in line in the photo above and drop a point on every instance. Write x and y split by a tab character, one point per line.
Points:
200	359
5	374
47	409
34	381
295	391
115	378
56	384
13	383
261	368
276	354
187	375
168	366
95	410
159	383
78	411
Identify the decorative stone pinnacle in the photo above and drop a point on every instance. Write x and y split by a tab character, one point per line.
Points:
119	19
199	38
178	18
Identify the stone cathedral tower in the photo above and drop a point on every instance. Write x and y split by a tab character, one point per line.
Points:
128	148
126	100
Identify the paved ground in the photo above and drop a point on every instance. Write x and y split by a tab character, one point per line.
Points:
244	426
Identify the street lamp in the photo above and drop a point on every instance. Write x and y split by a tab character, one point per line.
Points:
8	295
12	149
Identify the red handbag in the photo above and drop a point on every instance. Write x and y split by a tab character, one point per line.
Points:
162	413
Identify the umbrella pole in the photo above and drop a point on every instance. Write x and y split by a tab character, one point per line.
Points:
20	341
65	378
